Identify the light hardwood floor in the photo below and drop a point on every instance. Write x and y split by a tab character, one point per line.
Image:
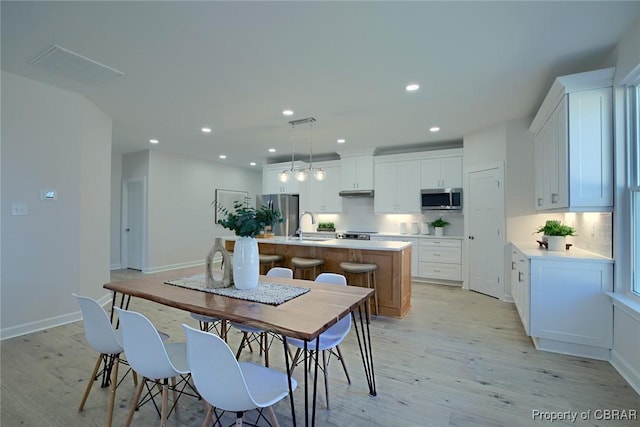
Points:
458	359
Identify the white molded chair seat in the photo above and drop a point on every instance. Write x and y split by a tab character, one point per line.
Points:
329	339
247	385
251	334
156	361
106	341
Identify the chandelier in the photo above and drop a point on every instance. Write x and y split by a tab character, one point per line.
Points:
301	174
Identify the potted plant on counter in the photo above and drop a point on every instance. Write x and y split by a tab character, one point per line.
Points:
247	223
439	225
555	234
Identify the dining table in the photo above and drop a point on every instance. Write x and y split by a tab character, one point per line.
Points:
305	316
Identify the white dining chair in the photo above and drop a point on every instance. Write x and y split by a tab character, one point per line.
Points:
329	344
155	361
250	334
106	341
247	386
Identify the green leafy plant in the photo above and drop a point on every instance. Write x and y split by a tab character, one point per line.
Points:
246	221
439	223
326	226
556	228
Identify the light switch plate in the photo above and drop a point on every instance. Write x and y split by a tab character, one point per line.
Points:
19	209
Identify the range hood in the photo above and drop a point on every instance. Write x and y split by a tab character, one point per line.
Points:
356	193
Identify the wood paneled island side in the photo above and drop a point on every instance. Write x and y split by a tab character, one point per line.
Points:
393	259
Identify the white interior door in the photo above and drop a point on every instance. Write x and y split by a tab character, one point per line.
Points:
486	230
133	224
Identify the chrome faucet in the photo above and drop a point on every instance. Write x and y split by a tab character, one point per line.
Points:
313	221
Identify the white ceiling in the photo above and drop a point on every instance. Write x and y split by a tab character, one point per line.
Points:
235	66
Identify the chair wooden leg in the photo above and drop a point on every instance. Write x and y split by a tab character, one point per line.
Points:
344	365
175	393
265	338
112	391
91	381
375	291
294	360
272	414
134	402
326	376
165	402
208	417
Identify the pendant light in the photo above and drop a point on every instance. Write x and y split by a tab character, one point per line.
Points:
302	174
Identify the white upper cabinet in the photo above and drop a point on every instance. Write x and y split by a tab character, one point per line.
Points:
356	172
444	172
397	186
574	144
322	196
271	180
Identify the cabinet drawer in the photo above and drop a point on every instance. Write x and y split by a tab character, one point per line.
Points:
440	254
440	271
436	243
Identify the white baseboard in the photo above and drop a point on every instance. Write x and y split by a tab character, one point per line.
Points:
117	266
628	372
40	325
173	266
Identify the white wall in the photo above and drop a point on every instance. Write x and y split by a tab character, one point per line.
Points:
180	219
116	206
52	139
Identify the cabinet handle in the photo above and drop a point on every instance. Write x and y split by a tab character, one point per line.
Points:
554	197
513	265
539	201
520	276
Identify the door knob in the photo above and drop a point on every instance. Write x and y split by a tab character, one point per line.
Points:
471	237
127	229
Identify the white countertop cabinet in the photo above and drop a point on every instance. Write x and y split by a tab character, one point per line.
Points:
569	310
271	183
574	144
445	172
323	196
440	259
397	187
520	286
356	172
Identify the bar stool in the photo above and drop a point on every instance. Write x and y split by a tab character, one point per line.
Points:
370	271
303	264
269	261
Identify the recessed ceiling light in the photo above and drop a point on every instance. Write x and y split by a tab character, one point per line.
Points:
412	87
206	130
341	141
434	129
222	156
153	141
252	163
272	150
287	112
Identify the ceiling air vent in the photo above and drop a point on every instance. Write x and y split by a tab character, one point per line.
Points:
69	64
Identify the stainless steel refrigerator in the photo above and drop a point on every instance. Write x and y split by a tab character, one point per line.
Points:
289	207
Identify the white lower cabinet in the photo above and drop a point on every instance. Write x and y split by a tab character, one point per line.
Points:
520	287
440	259
565	309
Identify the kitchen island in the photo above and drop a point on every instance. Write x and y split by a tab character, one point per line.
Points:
393	259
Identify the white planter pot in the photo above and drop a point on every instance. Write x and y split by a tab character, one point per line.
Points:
439	231
246	263
556	243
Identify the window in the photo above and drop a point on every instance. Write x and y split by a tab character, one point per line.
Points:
634	172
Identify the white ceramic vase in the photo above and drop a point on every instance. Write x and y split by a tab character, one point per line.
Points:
556	243
439	231
246	263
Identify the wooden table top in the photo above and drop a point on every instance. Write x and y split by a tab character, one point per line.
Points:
303	317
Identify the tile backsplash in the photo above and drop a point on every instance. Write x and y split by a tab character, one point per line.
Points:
594	231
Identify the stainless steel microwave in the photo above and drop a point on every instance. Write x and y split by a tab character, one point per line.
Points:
441	199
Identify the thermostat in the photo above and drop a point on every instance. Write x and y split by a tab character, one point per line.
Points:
48	194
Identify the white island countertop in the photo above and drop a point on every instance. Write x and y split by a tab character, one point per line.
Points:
533	250
372	245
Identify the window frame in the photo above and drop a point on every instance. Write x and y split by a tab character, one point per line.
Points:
632	95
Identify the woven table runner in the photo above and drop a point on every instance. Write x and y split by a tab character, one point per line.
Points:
265	293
